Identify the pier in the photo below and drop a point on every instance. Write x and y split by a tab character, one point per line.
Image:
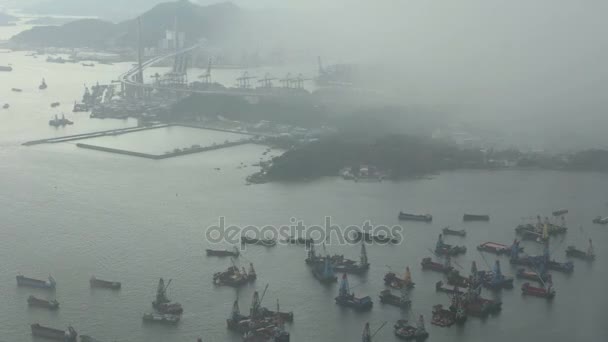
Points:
93	135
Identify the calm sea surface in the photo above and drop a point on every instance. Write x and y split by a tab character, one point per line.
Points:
74	213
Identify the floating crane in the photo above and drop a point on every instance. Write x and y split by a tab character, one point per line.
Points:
368	335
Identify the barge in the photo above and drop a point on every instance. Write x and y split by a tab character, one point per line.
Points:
68	335
43	303
472	217
413	217
99	283
41	284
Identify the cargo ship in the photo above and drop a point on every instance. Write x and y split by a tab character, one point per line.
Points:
223	252
30	282
448	231
114	285
471	217
255	241
43	303
68	335
413	217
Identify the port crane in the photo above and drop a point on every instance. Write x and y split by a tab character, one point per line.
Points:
206	77
267	81
244	80
299	81
286	81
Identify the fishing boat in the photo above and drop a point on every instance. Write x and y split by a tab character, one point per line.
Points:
448	231
42	85
542	292
163	304
471	217
414	217
223	252
440	288
429	264
408	332
560	212
348	299
43	303
95	282
403	301
68	335
600	220
392	280
161	318
256	241
496	248
442	317
30	282
588	255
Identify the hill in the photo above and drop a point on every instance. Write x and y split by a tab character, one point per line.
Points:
214	22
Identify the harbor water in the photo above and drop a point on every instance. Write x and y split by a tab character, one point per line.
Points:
74	213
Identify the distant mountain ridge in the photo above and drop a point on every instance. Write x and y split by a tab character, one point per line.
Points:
213	22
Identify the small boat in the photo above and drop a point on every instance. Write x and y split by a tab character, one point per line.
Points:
448	231
560	212
88	64
471	217
30	282
6	68
43	303
161	318
17	90
114	285
6	106
386	297
413	217
56	122
42	85
55	104
68	335
223	252
408	332
601	220
429	264
542	292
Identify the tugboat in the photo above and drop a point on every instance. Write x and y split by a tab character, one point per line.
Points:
413	217
542	292
43	303
471	217
407	332
56	122
114	285
391	280
346	298
41	284
589	255
68	335
442	248
403	301
162	304
448	231
42	85
161	318
429	264
324	272
223	252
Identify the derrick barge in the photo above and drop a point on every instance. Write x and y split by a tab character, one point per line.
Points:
348	299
